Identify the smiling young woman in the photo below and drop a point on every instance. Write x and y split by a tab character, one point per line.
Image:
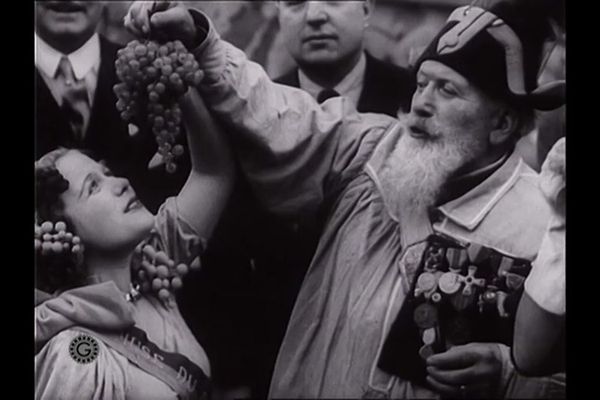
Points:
92	237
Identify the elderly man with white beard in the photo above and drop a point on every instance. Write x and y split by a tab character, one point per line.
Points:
392	191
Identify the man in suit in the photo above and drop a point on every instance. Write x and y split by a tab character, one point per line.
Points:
326	39
75	102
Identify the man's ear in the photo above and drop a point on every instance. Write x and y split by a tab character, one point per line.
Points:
505	125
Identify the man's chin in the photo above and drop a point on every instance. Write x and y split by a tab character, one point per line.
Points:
320	58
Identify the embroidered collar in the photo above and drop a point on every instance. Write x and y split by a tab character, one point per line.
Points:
458	186
470	209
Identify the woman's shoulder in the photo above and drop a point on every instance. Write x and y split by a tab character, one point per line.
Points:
75	364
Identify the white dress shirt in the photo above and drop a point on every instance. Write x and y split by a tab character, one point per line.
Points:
351	86
85	62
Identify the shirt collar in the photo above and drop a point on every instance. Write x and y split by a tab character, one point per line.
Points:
458	186
82	59
470	209
352	80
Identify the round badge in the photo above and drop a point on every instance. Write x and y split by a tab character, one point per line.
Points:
426	282
425	316
429	336
436	297
449	283
83	349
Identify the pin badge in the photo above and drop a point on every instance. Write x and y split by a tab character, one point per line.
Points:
429	336
449	282
487	297
425	283
471	281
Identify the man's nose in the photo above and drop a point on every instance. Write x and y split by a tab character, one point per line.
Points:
423	102
315	12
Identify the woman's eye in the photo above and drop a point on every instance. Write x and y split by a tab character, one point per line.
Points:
421	85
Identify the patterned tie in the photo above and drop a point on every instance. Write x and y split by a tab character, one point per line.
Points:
75	98
326	94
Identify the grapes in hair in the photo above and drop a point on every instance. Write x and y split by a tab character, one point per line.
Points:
153	76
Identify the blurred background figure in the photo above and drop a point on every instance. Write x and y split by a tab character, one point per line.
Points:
75	104
550	125
539	340
326	40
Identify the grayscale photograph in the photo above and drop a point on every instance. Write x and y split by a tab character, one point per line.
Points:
358	199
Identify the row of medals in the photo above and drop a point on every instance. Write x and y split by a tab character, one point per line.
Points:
461	290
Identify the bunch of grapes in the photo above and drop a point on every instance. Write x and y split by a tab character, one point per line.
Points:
153	76
156	272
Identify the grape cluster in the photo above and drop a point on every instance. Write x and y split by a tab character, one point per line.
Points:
156	272
152	77
54	238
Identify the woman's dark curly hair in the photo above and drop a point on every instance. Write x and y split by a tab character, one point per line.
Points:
54	272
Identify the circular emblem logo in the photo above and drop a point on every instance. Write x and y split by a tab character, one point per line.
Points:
84	349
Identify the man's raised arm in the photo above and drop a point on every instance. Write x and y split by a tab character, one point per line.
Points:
294	151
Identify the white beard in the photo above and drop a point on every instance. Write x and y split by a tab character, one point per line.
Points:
417	169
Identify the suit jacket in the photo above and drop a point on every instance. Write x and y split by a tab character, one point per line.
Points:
107	135
386	89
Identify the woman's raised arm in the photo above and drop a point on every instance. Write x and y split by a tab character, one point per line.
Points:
209	185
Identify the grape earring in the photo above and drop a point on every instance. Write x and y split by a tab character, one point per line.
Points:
153	76
53	238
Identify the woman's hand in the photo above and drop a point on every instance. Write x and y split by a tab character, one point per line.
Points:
469	370
169	20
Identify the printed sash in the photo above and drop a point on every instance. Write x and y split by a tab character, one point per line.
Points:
177	371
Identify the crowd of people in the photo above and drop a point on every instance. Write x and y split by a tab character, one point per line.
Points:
355	229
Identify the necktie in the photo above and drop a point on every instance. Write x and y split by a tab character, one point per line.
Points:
326	94
75	98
